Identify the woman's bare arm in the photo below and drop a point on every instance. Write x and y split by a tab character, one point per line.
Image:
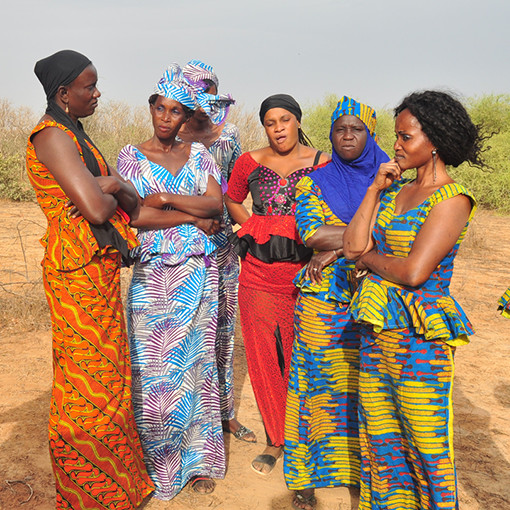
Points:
433	242
57	151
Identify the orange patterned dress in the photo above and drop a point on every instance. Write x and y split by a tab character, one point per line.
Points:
95	450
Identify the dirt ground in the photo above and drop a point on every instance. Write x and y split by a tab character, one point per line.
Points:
481	395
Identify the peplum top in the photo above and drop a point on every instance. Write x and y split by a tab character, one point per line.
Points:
270	234
428	308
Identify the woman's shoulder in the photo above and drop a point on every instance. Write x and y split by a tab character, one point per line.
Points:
230	131
450	190
129	151
47	123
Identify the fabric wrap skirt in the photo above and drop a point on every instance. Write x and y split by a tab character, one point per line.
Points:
94	446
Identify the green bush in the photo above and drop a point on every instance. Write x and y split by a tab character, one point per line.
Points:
13	186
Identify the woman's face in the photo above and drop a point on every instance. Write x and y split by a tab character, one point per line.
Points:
167	117
348	137
412	147
281	129
200	114
82	94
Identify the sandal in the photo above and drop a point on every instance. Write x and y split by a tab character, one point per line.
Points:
241	433
310	501
195	486
268	460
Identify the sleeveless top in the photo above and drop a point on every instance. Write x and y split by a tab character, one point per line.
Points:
69	242
428	308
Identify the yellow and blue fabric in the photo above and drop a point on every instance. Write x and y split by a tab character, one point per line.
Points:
174	85
321	430
406	369
344	183
504	304
349	106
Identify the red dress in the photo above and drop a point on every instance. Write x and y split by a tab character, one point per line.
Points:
271	255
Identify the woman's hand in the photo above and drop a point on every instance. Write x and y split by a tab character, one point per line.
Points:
108	184
318	262
387	173
210	226
156	200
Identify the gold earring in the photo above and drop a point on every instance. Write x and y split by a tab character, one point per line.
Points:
434	154
67	108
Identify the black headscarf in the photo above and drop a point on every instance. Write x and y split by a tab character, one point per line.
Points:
280	101
61	69
287	103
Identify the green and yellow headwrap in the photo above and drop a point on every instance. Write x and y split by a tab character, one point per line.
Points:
349	106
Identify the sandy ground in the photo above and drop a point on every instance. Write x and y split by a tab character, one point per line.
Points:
481	395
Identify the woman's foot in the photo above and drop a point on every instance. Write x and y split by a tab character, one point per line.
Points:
202	484
304	499
263	464
239	431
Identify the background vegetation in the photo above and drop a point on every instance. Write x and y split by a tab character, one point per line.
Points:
115	124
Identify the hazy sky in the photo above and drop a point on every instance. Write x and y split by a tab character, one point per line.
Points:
376	51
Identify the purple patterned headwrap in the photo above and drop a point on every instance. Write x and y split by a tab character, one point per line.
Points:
174	85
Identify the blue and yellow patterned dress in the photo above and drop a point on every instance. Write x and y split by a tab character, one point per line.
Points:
321	426
504	304
406	370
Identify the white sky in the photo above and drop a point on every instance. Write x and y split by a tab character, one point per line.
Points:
376	51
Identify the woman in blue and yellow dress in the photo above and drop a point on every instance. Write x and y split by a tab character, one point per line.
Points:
321	426
407	233
504	304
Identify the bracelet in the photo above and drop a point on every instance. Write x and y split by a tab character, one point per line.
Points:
334	251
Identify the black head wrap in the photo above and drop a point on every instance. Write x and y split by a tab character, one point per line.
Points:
60	69
287	103
280	101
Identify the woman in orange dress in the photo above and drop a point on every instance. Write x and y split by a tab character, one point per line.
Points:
95	450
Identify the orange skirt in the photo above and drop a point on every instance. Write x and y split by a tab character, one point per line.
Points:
95	450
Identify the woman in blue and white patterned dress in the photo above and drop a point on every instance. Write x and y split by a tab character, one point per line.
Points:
173	296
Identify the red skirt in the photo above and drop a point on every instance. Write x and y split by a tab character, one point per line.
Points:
266	302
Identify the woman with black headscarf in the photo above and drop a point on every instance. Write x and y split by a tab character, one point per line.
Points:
271	255
95	450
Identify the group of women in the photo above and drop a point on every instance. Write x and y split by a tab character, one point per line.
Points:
346	315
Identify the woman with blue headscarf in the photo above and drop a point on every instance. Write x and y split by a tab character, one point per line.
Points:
321	430
173	296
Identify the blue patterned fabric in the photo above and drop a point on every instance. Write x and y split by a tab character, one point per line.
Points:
225	150
406	369
312	212
176	243
172	319
174	85
429	308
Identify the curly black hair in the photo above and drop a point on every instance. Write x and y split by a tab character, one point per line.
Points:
188	112
447	125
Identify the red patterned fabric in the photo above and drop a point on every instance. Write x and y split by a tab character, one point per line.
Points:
261	314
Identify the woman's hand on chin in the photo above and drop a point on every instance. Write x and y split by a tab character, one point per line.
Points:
386	175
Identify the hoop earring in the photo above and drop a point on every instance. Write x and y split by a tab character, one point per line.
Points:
434	154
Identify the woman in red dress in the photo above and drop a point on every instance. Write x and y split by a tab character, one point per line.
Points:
271	255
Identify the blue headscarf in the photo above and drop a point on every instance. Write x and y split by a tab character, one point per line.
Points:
175	85
344	183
